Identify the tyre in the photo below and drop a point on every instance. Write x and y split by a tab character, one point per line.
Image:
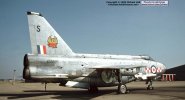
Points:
122	89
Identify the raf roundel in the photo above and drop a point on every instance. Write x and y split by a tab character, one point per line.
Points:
153	69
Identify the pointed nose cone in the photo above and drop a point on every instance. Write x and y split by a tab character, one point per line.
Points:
163	67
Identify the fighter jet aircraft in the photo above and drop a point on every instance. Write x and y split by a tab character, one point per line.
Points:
53	61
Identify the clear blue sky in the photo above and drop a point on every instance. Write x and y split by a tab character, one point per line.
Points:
91	26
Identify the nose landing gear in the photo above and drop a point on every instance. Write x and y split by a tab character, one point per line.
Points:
149	82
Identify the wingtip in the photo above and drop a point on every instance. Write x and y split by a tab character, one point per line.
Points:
33	13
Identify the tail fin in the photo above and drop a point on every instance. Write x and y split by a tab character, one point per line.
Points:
44	39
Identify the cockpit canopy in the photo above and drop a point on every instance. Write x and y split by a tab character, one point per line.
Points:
147	57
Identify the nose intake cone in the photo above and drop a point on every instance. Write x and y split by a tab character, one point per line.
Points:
163	68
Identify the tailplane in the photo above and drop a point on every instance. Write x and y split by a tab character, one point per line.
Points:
44	39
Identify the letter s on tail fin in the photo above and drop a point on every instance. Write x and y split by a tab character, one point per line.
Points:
44	39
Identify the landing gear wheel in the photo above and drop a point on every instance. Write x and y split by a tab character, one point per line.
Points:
149	82
150	87
93	89
122	89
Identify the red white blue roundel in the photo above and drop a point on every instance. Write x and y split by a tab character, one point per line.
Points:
153	69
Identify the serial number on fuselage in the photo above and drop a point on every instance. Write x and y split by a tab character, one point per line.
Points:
51	61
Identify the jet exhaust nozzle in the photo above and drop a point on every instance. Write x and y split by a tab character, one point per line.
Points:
26	70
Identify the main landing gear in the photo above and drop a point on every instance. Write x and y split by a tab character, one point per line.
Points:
149	82
122	89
